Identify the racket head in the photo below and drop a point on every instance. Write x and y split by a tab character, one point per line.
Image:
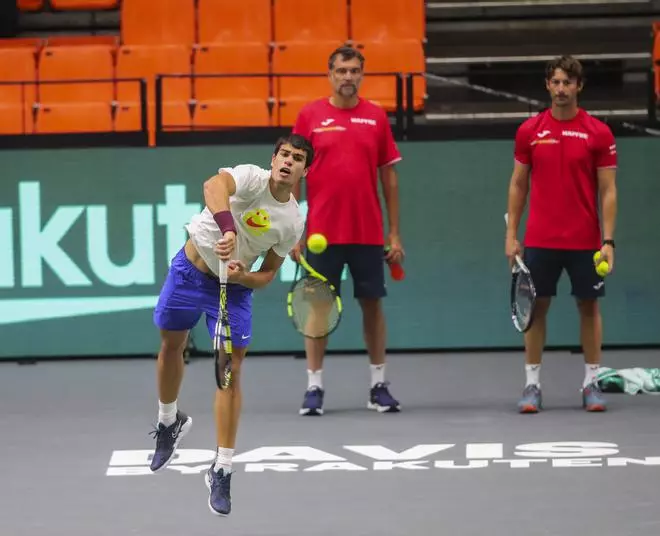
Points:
523	296
314	307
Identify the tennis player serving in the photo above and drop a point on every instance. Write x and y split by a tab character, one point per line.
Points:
572	159
249	212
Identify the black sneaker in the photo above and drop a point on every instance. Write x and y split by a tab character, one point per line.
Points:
219	484
168	439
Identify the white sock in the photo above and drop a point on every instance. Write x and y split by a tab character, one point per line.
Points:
315	379
167	413
590	373
533	373
377	374
223	460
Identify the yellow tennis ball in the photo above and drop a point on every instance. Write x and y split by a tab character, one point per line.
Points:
317	243
602	268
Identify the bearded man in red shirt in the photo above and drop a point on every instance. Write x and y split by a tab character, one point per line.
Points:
566	160
353	144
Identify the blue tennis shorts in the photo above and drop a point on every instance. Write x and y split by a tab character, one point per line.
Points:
188	293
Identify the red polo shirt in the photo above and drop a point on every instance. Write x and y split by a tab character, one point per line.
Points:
350	145
564	157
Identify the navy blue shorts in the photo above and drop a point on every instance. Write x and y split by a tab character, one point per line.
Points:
547	265
365	263
188	293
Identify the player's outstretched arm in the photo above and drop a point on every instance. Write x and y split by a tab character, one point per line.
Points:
264	276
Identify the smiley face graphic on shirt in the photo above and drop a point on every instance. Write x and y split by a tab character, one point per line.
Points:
257	221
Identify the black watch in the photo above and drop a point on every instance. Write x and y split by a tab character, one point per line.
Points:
609	242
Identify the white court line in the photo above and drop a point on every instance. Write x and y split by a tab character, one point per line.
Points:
503	59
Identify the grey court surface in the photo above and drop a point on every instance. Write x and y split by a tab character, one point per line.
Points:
457	461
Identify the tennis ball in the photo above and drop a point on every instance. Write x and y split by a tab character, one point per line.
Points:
602	268
317	243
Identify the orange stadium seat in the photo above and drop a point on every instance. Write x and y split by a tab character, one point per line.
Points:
93	62
157	22
229	21
177	115
73	117
127	117
248	58
147	62
16	100
392	57
230	113
311	21
307	58
396	19
90	5
30	5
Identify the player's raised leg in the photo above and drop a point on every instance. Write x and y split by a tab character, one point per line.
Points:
176	312
173	424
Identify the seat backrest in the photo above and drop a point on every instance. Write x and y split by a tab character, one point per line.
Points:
74	117
397	19
247	58
305	58
311	20
142	61
229	21
90	5
393	56
157	22
232	113
88	62
17	65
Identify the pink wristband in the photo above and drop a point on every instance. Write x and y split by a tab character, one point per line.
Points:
225	221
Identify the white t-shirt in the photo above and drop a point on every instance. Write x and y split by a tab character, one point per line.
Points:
262	222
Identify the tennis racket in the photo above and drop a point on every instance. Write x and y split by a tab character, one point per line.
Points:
313	304
222	350
523	294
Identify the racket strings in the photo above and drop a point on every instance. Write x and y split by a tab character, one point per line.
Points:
316	312
524	299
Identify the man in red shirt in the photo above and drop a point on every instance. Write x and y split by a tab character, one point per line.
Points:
353	144
572	160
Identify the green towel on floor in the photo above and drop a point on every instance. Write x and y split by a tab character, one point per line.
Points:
631	381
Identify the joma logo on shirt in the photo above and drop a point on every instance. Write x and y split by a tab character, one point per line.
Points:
573	134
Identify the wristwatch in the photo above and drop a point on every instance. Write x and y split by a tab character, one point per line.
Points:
609	242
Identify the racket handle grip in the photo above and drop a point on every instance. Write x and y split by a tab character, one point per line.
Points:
396	270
